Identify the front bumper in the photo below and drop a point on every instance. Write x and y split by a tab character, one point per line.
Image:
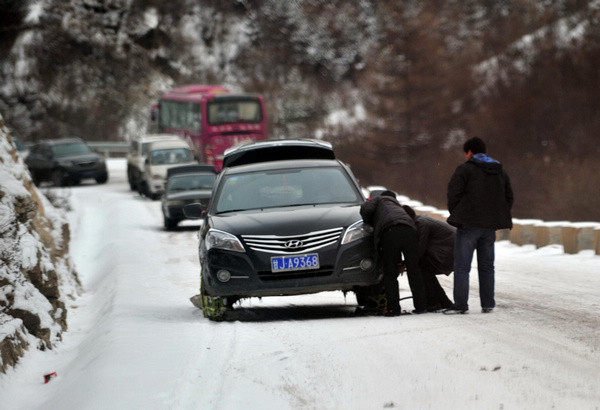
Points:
251	276
86	170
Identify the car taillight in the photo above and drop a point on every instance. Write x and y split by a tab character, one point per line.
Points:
208	155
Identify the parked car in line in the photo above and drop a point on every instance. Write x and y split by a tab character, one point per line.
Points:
65	161
373	191
162	155
186	184
22	147
283	220
136	157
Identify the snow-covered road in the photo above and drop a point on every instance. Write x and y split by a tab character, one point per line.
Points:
135	341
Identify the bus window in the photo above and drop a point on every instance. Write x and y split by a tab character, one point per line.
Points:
194	119
233	111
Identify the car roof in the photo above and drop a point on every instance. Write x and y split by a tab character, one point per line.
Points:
60	141
275	150
157	137
167	144
190	169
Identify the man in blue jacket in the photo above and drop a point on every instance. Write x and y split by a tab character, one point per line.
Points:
480	199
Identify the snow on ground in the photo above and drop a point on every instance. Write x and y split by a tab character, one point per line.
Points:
135	341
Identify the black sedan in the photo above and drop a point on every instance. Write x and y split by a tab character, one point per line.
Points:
65	161
185	185
282	228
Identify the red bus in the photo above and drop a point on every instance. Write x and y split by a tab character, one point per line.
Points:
212	119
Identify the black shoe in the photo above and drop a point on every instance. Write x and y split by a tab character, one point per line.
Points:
391	313
419	311
487	310
434	308
365	311
455	311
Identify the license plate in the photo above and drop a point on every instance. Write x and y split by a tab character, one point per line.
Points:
296	262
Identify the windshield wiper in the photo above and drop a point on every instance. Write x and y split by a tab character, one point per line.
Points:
231	210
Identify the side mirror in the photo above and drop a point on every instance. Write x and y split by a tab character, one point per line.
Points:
193	211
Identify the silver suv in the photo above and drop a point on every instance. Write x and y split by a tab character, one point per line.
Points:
136	157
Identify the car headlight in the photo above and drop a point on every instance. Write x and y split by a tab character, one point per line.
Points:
175	203
157	177
222	240
357	231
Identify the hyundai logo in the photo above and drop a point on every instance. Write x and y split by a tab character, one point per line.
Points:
294	244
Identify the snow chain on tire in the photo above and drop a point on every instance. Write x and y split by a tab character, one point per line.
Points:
377	303
213	307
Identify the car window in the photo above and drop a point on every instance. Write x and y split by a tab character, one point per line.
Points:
70	148
191	182
287	187
170	156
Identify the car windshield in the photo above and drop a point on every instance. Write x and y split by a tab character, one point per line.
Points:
285	187
21	146
170	156
191	182
70	148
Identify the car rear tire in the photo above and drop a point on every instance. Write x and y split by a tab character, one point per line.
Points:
131	180
59	178
141	185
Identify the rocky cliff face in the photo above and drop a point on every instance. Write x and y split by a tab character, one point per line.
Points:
37	278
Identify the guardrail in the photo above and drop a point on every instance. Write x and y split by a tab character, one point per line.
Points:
110	149
573	236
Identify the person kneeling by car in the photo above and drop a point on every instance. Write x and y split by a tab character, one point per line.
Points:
436	256
395	235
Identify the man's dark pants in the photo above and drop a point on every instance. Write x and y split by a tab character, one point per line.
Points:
396	241
468	241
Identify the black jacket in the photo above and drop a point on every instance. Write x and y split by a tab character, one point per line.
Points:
436	245
382	212
480	195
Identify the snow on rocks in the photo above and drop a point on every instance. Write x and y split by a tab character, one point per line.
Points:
36	277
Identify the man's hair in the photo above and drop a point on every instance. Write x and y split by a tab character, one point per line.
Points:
475	145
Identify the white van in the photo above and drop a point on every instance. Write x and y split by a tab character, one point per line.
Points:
136	157
163	155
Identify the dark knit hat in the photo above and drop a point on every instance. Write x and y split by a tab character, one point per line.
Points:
388	193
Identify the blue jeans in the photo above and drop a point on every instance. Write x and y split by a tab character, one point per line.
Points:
468	240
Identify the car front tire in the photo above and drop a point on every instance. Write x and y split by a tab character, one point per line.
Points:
213	307
102	179
169	224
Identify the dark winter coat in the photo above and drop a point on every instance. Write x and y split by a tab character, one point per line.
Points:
381	213
480	194
436	245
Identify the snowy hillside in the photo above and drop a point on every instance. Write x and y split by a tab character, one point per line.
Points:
37	280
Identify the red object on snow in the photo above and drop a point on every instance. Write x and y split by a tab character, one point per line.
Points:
49	376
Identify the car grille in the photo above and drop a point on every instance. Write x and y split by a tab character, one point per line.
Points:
87	164
293	244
